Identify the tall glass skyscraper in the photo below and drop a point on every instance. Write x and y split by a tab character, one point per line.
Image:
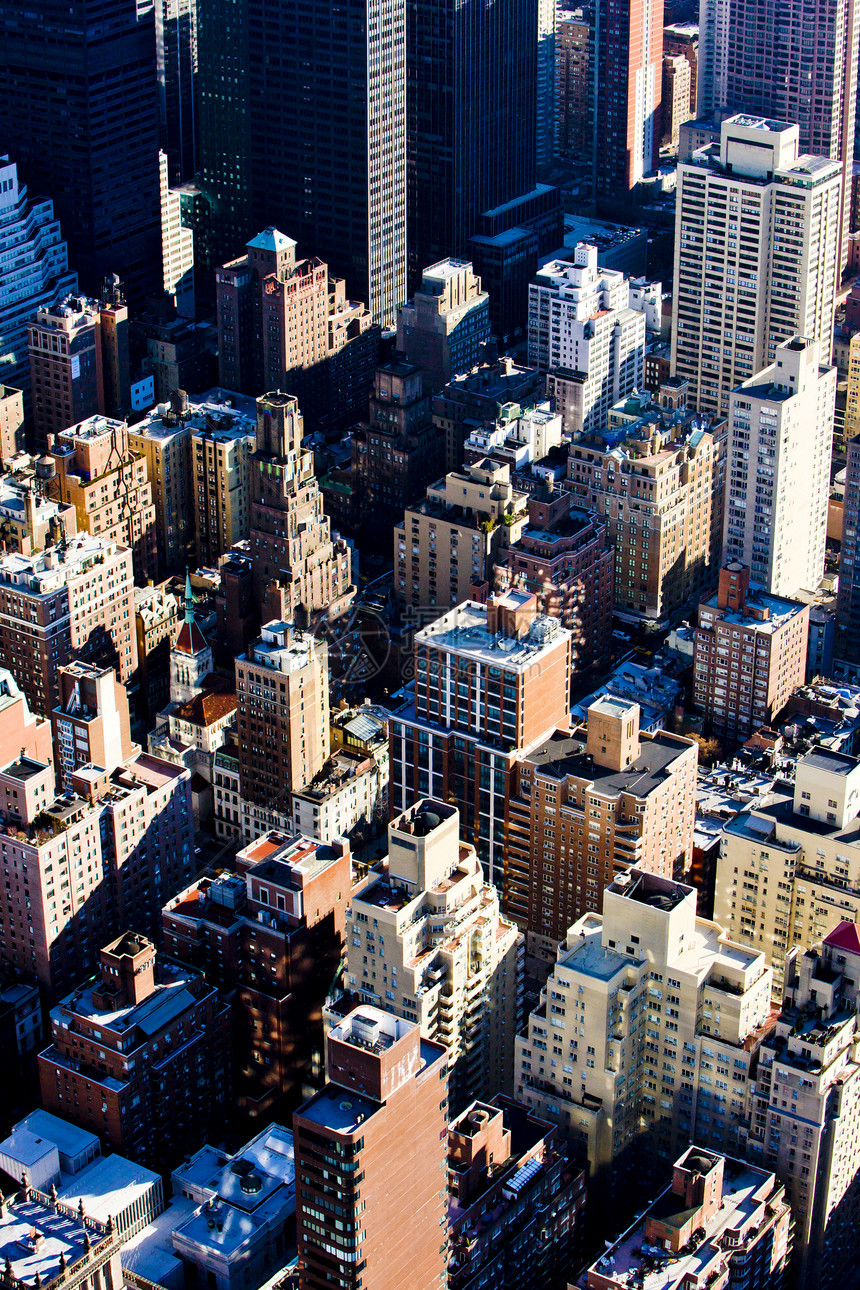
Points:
79	108
472	68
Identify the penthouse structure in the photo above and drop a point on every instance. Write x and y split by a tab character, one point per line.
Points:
720	1222
270	937
516	1200
584	334
30	520
446	544
90	723
657	479
79	363
779	449
296	561
140	1053
764	220
585	808
750	654
426	942
70	601
521	436
805	1105
491	681
107	481
479	396
285	323
382	1074
653	1018
563	557
789	871
444	327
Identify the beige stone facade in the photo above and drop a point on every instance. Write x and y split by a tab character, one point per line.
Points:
646	1031
790	871
427	942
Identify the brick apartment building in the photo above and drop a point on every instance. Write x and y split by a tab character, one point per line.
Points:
750	654
382	1117
586	807
140	1055
270	937
74	601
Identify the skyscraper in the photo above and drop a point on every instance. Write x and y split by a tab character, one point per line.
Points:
797	61
756	255
326	105
36	274
472	75
176	54
78	95
780	436
296	561
626	64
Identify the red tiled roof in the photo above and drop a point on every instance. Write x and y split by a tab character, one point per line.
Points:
190	639
845	937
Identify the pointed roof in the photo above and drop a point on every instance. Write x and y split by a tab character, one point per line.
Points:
271	239
190	639
845	937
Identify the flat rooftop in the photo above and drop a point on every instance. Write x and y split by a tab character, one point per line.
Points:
33	1237
464	631
835	763
562	755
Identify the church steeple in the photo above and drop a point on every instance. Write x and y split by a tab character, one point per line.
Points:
191	659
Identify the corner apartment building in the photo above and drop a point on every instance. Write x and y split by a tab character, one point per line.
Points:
763	219
779	449
749	654
586	807
584	335
491	681
658	483
564	558
789	871
653	1018
79	362
296	560
426	942
399	451
197	455
140	1055
446	544
107	481
70	601
271	938
805	1105
109	851
445	326
387	1087
720	1222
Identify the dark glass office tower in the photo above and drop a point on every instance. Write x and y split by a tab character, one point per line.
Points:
327	102
224	133
472	67
176	53
79	108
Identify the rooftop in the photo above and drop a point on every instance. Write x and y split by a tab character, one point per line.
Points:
562	755
39	1240
464	631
